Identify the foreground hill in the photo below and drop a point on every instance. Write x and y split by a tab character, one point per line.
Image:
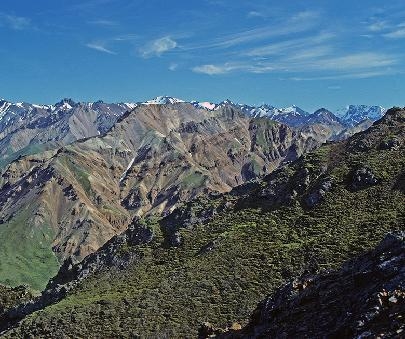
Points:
214	258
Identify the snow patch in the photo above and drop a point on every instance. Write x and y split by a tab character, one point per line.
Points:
126	171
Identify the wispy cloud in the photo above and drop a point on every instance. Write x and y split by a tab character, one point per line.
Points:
126	37
300	22
399	33
14	22
358	64
158	47
217	69
173	66
256	14
99	46
102	22
290	45
305	16
377	26
351	75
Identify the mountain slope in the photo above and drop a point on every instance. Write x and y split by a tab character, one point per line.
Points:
154	158
29	129
214	258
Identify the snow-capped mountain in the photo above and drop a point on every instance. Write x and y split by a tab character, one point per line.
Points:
354	114
24	126
27	128
163	100
292	115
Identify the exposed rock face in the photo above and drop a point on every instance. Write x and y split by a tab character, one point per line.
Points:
364	299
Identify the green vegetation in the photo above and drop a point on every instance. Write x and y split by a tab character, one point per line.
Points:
195	179
12	296
26	256
31	149
79	173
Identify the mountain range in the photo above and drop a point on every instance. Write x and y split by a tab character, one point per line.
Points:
26	128
75	174
279	239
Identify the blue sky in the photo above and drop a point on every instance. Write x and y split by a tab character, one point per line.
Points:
308	53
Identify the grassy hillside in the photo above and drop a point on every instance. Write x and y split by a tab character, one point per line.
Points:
311	215
26	257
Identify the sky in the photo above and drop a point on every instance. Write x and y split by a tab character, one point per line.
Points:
309	53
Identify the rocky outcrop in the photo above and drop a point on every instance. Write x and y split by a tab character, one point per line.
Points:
363	299
316	195
363	178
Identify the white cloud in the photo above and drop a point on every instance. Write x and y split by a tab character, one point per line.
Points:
365	60
126	37
14	22
377	26
297	23
256	14
352	75
215	69
397	34
98	46
158	47
305	16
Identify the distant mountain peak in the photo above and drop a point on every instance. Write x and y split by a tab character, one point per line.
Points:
163	100
354	114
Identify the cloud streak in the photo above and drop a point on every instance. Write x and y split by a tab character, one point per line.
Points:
98	46
298	23
396	34
101	22
363	64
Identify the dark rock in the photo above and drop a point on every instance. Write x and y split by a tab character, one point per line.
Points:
317	194
132	200
208	247
363	178
175	239
390	144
